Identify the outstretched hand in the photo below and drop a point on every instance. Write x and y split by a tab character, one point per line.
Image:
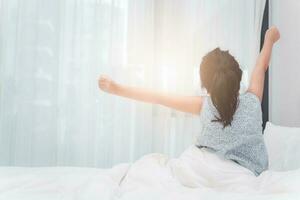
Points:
106	84
273	34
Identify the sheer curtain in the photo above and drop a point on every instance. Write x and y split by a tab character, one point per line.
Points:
284	70
51	53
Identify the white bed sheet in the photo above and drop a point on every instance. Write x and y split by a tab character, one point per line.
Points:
154	177
63	183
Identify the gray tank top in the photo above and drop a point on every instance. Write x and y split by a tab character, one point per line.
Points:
242	142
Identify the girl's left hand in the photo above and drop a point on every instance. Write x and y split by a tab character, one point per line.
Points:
106	84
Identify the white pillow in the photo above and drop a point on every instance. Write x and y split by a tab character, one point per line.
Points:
283	145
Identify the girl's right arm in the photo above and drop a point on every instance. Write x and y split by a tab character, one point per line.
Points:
190	104
258	75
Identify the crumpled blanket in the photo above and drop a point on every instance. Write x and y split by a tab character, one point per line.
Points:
196	174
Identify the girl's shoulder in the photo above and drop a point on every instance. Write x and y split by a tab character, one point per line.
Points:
249	97
249	101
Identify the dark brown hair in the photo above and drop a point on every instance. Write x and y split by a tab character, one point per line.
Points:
221	75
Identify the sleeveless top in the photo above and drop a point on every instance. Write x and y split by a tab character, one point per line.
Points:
242	141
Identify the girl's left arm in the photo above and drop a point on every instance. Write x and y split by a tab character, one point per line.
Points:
189	104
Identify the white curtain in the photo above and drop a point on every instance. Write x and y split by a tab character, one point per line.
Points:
285	66
52	52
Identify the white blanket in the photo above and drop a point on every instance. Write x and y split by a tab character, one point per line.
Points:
196	174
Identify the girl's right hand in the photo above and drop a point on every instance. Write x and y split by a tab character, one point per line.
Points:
273	34
107	84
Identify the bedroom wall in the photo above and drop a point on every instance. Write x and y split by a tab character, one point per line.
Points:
285	66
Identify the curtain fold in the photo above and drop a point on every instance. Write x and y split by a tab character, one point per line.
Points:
51	53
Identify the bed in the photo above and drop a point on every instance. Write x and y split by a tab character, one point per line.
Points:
152	177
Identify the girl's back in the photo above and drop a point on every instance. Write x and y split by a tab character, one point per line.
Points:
242	141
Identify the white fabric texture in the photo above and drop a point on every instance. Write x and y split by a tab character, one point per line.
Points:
51	53
283	146
196	174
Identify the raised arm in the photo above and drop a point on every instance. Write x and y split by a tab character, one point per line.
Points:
182	103
262	63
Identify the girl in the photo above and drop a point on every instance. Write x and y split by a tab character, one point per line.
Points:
232	123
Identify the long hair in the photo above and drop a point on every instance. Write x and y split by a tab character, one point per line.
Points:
220	74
